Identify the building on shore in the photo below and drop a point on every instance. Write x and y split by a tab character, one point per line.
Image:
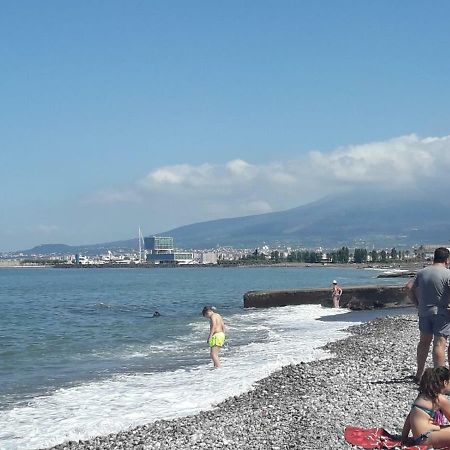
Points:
208	258
426	251
161	250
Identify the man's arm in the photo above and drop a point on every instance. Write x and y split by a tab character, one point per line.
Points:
211	329
411	291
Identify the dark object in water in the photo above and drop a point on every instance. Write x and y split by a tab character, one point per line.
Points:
156	314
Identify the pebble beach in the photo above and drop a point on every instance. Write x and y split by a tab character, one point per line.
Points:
366	381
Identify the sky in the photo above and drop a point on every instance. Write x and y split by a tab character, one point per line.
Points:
116	115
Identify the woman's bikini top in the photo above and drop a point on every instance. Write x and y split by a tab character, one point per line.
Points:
435	414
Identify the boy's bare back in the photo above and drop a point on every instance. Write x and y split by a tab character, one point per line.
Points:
216	323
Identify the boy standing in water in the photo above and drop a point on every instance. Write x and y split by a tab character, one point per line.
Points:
216	336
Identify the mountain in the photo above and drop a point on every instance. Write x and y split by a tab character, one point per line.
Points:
92	249
381	218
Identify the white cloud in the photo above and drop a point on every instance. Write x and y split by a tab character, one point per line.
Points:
258	207
181	175
190	193
283	177
405	159
240	168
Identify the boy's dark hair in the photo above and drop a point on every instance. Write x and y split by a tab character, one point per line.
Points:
208	308
441	255
432	382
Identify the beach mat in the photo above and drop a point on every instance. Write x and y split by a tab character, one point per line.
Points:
373	438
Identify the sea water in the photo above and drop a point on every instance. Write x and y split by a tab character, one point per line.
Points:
81	354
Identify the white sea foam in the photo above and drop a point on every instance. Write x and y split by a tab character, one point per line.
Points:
289	335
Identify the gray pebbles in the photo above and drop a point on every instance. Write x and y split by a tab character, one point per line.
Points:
365	382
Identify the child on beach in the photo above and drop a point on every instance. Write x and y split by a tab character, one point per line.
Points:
216	336
428	411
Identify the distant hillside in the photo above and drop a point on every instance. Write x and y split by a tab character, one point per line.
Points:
94	249
365	218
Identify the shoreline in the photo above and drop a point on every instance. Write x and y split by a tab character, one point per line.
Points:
294	265
300	406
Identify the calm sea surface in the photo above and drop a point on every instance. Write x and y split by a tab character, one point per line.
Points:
81	354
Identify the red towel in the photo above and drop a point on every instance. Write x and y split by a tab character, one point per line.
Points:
374	438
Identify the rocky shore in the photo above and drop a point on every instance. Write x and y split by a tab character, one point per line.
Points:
365	382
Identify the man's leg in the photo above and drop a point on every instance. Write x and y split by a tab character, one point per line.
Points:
423	347
215	356
439	344
441	331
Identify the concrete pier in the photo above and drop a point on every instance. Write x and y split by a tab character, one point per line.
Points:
353	297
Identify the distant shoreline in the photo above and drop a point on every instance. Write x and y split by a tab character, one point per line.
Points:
15	266
403	266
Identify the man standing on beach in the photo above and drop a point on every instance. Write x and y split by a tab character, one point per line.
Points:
430	292
336	294
216	337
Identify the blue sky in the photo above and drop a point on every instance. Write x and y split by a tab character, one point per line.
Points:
116	115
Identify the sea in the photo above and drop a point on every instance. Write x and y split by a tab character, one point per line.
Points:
81	354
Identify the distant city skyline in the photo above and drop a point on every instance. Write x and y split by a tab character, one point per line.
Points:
118	115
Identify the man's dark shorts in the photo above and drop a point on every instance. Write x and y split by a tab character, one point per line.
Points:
437	325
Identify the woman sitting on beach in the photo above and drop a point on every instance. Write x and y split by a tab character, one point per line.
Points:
427	411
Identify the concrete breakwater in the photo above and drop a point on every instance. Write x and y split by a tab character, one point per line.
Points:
353	297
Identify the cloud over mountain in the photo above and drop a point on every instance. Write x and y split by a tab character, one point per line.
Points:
405	159
239	187
171	196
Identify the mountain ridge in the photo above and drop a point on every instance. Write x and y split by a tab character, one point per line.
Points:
366	218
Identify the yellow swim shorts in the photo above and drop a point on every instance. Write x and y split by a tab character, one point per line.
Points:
217	339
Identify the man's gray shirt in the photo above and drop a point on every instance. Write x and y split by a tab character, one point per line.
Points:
432	286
